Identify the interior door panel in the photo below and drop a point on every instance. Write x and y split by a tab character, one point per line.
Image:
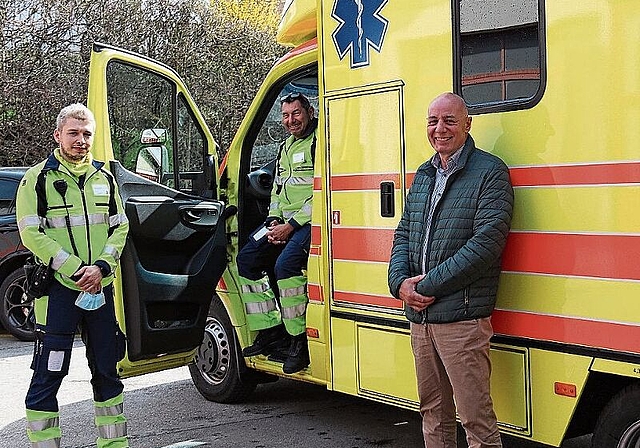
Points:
173	259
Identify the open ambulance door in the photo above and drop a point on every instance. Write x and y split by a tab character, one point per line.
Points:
164	160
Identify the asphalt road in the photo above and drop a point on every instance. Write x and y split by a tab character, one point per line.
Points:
165	410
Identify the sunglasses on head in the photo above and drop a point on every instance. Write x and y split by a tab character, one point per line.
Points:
291	97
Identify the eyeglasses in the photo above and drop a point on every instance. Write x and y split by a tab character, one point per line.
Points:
291	97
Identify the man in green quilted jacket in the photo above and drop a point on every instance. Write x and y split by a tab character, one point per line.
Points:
444	266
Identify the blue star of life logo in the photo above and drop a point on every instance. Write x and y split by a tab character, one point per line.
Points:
360	27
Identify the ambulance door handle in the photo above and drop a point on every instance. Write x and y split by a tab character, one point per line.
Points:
387	199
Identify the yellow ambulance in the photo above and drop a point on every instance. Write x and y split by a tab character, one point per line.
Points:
554	90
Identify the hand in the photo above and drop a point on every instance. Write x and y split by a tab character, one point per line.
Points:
90	278
411	297
279	233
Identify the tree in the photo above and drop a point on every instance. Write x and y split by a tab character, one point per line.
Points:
223	51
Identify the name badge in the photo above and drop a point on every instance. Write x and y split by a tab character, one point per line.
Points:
298	157
100	190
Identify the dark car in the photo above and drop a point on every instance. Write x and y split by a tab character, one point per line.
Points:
16	314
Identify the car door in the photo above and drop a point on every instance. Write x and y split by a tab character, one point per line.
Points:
164	161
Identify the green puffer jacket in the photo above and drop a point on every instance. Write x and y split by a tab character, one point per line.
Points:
467	236
98	223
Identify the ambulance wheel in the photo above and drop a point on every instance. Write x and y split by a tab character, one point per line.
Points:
17	310
218	371
619	423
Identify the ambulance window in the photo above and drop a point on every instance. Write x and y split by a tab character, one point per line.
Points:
499	53
191	150
272	133
140	118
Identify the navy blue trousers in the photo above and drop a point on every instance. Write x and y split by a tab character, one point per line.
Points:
278	261
104	342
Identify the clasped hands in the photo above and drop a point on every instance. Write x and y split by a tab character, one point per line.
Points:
411	297
278	233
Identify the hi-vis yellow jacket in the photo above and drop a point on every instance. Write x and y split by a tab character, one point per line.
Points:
293	184
88	224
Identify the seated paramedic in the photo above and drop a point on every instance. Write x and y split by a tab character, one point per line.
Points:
279	248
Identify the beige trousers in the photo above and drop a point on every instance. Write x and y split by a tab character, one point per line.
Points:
452	362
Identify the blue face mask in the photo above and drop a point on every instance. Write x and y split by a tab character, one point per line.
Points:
90	302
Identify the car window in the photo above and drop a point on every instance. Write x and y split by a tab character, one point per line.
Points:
7	196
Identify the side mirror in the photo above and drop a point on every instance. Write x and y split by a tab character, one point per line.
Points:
149	162
152	160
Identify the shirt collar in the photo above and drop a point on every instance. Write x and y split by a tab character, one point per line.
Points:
451	164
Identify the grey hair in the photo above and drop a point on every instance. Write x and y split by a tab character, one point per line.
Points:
78	111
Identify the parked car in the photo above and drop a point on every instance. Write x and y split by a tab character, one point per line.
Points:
16	314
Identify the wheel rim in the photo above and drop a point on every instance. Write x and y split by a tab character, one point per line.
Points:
19	308
214	355
631	437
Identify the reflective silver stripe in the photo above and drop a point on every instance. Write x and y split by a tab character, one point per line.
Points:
292	292
49	443
98	218
279	180
118	219
110	250
255	288
291	312
114	410
306	209
41	425
113	431
30	221
260	307
298	180
275	205
59	259
77	221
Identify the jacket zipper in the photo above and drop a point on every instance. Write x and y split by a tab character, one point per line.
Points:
82	182
466	301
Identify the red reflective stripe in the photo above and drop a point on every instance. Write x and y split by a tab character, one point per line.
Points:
314	292
362	244
567	330
367	299
602	256
363	181
602	173
316	235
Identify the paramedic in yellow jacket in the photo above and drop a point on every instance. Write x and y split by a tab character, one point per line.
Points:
71	217
281	245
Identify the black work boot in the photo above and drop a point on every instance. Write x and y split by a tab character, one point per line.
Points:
266	340
298	357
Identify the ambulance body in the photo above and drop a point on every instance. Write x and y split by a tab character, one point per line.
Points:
554	90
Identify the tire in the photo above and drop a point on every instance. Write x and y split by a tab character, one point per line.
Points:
619	423
17	311
218	371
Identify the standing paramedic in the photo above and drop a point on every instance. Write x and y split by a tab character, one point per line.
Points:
71	217
444	266
280	247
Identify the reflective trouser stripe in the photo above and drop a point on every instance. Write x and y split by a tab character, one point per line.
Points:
43	429
111	423
259	303
293	300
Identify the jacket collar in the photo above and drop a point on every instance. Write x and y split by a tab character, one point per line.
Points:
468	148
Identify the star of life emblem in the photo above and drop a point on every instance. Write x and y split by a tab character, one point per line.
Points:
360	27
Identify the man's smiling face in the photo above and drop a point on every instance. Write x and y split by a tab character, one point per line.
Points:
448	124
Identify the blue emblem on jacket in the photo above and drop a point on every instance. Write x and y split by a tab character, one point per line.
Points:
360	26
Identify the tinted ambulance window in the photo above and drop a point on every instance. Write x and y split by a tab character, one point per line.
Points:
499	53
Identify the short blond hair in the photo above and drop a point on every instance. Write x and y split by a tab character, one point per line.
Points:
78	111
